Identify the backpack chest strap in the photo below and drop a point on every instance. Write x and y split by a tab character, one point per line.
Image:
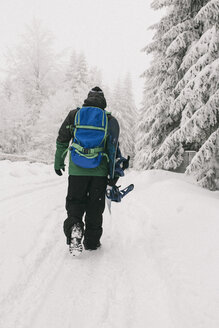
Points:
90	151
89	127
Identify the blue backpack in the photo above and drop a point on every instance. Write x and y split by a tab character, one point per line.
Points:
90	134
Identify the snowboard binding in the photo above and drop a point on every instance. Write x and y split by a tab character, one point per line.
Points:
116	195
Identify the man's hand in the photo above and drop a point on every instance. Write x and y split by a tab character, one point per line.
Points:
59	172
125	164
112	182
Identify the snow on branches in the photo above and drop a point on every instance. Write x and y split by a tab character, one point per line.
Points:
181	42
203	164
176	30
207	44
158	4
209	14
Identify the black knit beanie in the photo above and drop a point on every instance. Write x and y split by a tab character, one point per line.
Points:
95	98
97	89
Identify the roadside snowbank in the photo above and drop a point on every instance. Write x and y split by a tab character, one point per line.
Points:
182	237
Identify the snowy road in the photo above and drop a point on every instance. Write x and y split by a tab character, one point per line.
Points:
150	271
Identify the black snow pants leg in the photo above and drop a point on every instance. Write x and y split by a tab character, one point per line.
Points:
86	195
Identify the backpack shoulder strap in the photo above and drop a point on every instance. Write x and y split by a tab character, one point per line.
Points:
71	126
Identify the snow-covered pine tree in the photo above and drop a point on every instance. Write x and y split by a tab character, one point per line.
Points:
70	74
52	113
32	66
31	77
115	104
122	106
94	78
13	123
130	116
180	108
197	101
77	78
174	34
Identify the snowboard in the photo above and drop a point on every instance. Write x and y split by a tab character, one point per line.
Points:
112	145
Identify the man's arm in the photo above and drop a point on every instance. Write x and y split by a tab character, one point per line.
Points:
62	142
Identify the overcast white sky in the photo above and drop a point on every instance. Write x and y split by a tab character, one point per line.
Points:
111	33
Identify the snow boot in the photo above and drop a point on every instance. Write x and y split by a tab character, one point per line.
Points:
91	247
75	246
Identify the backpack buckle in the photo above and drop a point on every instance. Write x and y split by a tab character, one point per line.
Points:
86	151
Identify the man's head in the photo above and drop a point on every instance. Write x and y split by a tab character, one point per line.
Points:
95	98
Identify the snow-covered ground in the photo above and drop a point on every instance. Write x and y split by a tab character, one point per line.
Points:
158	266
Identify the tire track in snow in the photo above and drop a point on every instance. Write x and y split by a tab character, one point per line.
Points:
12	207
35	262
111	285
85	285
74	293
32	190
138	283
42	264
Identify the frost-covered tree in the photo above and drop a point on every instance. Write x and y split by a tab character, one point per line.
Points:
94	77
197	101
32	66
31	77
13	123
44	133
115	102
174	35
184	115
122	106
77	78
130	117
